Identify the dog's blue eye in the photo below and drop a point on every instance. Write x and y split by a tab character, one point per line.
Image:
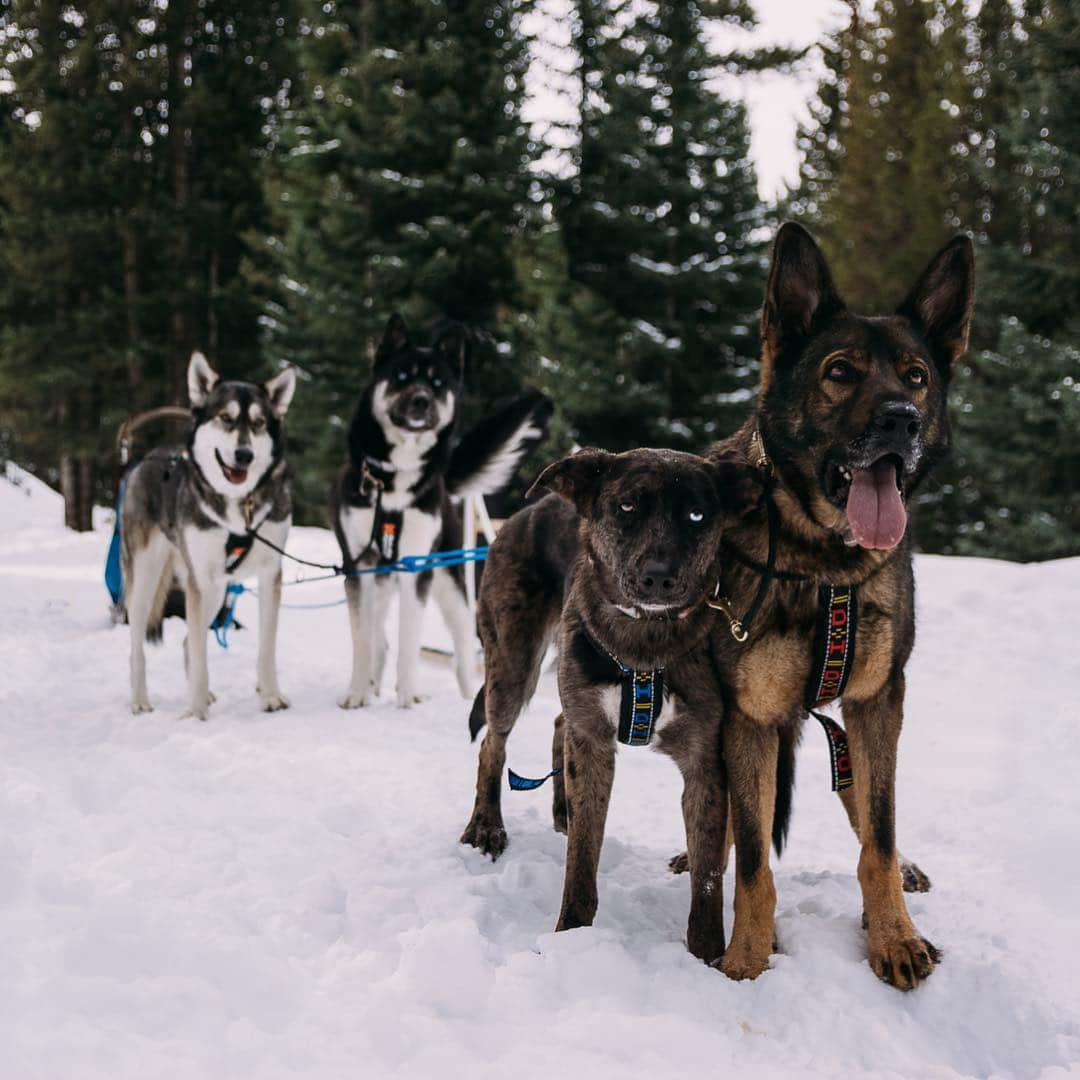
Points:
696	516
436	382
402	376
627	507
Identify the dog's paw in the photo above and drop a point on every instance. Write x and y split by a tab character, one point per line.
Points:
273	702
738	963
195	714
407	700
488	837
912	878
679	864
354	701
902	961
138	707
211	696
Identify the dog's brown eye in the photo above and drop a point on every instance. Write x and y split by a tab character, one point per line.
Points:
225	418
917	376
840	371
696	516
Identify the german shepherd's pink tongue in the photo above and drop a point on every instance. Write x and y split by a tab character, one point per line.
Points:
875	510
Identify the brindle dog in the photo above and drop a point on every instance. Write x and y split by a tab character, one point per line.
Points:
634	658
851	418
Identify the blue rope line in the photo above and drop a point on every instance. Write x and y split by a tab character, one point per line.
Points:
408	564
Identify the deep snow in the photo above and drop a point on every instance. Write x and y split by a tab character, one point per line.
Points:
274	895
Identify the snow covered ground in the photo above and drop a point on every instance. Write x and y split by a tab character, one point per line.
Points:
283	895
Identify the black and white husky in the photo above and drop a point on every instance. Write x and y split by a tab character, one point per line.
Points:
397	496
186	517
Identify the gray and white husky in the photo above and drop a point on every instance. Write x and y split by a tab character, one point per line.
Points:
186	517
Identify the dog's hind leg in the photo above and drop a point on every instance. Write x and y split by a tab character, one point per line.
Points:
450	597
199	612
359	596
269	692
147	575
911	877
558	765
509	683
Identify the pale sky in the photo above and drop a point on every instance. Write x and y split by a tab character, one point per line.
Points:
776	102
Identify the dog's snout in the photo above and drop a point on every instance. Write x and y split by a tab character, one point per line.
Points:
657	579
420	402
244	456
898	421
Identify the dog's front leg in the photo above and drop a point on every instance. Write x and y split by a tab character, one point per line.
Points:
410	620
198	615
360	597
898	954
911	877
590	771
750	750
705	812
269	606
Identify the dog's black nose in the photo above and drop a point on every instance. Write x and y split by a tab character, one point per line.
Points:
657	580
420	402
897	421
243	456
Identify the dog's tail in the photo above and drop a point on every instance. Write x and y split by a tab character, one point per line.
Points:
785	785
485	460
477	718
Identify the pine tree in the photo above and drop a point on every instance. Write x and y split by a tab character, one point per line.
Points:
891	148
655	342
402	186
130	138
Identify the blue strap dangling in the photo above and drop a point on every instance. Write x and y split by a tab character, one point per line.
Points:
221	624
526	783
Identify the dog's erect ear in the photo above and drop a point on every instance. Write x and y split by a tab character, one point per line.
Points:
576	478
738	486
394	340
800	296
201	379
453	345
280	390
941	302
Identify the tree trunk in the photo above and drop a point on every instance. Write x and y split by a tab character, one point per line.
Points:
87	472
77	486
69	488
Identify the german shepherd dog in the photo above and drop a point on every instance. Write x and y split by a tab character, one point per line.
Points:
187	514
397	496
851	418
634	654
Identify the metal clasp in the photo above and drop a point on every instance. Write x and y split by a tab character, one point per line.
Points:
723	605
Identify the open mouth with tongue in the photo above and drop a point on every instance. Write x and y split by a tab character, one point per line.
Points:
232	473
871	496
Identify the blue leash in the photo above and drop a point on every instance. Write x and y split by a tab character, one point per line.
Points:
408	564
